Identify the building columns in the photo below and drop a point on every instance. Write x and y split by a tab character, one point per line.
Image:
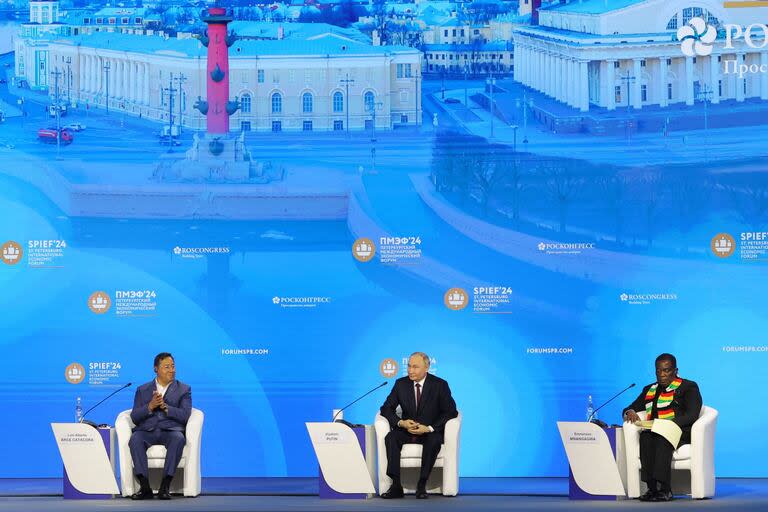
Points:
583	79
714	78
740	59
637	70
688	83
661	84
609	86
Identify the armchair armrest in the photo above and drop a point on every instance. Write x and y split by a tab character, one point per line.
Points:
124	429
192	473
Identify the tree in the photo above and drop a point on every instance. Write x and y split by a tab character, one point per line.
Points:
690	194
613	189
650	188
562	184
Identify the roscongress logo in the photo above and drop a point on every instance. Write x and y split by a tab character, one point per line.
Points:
388	368
99	302
696	38
199	252
300	302
363	250
564	247
12	252
456	299
74	373
723	245
647	298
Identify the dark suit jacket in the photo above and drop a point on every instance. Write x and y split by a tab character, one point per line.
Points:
178	397
435	408
686	404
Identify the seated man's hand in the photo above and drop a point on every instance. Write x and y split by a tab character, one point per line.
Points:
631	417
156	402
407	424
419	430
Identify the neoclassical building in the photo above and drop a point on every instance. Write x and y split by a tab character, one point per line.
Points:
614	53
325	81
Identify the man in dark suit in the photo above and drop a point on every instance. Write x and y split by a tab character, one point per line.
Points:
160	412
426	404
671	398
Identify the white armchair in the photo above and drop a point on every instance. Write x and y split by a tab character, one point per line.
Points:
187	479
693	465
445	475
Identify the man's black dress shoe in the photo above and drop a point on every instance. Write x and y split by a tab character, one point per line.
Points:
142	494
394	492
664	496
421	494
163	494
648	496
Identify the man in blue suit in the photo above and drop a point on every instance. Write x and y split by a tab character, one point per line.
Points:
160	412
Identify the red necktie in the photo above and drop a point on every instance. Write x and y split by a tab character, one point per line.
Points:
418	395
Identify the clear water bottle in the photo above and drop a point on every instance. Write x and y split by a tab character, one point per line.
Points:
78	410
590	409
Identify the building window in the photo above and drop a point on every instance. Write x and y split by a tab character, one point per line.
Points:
307	126
644	93
687	15
616	64
277	126
453	33
112	21
86	21
669	62
245	126
617	94
338	125
369	100
669	91
277	103
124	21
720	88
260	75
138	20
403	118
445	33
745	87
694	60
245	104
99	21
642	63
306	102
400	71
407	71
672	25
338	102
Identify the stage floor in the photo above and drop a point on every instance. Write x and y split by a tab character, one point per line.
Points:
299	494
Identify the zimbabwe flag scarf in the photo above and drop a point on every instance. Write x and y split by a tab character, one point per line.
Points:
664	404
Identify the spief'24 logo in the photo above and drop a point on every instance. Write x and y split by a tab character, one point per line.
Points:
11	253
99	302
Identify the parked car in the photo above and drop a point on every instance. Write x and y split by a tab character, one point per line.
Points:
76	127
50	135
452	100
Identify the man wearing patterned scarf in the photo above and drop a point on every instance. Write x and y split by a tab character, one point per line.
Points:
669	398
